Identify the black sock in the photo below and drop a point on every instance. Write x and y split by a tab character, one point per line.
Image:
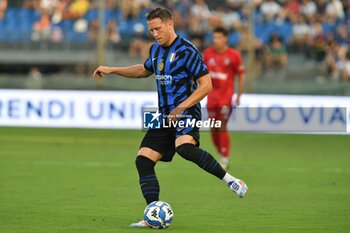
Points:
202	158
147	178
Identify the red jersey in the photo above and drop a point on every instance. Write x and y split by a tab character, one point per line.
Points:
223	67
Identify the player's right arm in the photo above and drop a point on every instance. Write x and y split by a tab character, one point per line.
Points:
135	71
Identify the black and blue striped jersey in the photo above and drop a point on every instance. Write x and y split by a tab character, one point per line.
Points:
176	68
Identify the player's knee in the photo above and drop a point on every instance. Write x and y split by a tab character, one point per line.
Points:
142	161
184	150
138	161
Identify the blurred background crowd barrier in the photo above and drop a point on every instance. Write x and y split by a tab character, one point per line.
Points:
298	46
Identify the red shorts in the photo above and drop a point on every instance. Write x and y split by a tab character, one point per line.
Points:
220	112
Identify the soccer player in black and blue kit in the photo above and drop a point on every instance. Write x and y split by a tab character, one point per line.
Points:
182	81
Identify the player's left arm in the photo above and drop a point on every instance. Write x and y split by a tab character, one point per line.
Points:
202	91
241	80
239	69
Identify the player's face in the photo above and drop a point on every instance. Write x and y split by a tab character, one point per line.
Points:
160	30
219	41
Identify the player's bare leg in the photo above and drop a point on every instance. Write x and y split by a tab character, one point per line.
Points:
186	148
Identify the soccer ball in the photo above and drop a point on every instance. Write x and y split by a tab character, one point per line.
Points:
158	215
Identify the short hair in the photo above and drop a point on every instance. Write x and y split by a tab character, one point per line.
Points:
221	30
160	12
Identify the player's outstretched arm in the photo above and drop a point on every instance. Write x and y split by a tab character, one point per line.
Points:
241	81
203	90
135	71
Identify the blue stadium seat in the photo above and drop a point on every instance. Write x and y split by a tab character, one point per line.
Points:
208	37
117	15
11	14
68	35
10	32
36	15
25	14
285	31
79	37
72	36
125	28
67	25
12	35
25	24
25	35
258	17
143	14
108	16
91	15
67	28
233	39
26	19
328	27
10	27
264	30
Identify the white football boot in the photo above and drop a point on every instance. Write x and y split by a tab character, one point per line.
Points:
141	224
239	187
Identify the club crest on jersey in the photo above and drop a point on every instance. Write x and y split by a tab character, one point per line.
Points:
160	65
172	57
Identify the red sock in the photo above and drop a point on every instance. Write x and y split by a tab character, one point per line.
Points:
224	143
215	136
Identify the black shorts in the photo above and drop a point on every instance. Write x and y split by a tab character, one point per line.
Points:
163	140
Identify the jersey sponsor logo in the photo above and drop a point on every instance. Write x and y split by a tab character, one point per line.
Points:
218	75
226	61
164	79
212	62
160	65
172	57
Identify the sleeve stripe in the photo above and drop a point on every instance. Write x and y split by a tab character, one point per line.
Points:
191	61
197	70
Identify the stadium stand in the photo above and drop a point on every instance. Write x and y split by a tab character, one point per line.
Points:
314	35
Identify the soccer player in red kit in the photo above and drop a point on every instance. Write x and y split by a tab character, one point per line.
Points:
224	64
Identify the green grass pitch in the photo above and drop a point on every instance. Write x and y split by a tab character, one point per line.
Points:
82	180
